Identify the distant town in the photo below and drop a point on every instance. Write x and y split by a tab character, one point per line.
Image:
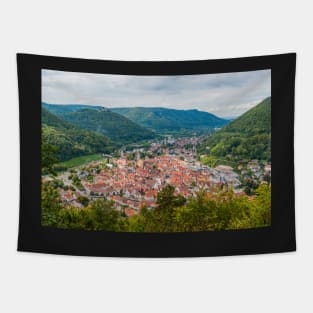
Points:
133	179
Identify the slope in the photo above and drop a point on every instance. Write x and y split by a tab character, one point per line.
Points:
247	137
115	126
59	109
70	140
163	119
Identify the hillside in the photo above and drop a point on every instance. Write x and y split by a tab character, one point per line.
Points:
257	120
59	109
162	119
71	140
115	126
247	137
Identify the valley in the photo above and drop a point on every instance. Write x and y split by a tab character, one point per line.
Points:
129	165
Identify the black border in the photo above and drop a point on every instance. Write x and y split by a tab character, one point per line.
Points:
280	237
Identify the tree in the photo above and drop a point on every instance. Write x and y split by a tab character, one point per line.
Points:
48	156
50	204
167	200
263	204
162	218
83	200
105	217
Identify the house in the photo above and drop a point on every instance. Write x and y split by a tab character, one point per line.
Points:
67	196
268	168
254	166
130	212
224	168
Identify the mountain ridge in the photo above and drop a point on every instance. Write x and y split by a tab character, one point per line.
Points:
248	136
116	127
156	120
71	140
58	109
162	119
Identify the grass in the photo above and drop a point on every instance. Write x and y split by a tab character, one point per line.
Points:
215	161
80	160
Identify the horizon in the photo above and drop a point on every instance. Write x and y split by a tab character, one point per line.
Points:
226	95
140	107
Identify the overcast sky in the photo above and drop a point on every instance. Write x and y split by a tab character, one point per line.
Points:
226	95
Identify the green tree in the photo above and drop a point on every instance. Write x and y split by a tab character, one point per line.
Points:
166	199
199	214
263	203
83	200
105	216
50	204
48	157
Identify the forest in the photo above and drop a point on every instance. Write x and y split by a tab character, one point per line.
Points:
164	120
247	137
71	141
116	127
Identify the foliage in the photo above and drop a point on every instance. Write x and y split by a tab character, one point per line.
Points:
76	182
162	119
67	108
99	215
250	185
50	204
204	212
83	200
48	156
115	126
166	199
247	137
70	140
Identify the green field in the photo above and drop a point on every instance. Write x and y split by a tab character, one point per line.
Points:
79	161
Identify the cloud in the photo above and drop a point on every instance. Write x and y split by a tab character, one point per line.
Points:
226	94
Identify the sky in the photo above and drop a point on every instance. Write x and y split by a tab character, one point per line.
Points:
225	94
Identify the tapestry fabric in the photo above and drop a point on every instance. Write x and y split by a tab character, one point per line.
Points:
156	159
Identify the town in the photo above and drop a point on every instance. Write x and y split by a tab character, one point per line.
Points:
133	179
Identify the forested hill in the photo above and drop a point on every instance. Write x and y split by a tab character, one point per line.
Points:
115	126
247	137
163	119
50	119
257	120
59	109
70	140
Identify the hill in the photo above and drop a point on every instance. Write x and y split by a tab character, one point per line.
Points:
163	119
257	120
115	126
59	109
71	140
247	137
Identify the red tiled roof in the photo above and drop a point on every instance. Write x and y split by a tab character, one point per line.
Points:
130	212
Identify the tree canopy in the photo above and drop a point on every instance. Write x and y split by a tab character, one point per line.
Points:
247	137
204	212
